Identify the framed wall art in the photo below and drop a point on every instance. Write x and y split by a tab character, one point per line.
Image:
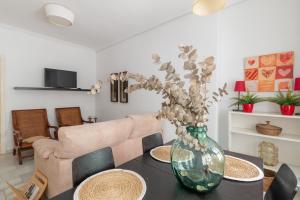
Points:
269	73
114	87
123	86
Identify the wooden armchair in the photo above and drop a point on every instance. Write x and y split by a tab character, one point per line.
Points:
29	126
70	116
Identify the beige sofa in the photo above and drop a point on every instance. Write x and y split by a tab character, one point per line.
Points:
54	158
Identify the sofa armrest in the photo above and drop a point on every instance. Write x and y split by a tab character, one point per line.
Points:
45	147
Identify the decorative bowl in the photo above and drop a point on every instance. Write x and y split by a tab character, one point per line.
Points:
268	129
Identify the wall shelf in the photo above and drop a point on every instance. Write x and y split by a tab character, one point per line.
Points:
261	114
282	136
52	89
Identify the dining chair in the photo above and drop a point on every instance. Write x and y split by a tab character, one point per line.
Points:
284	185
29	126
152	141
91	163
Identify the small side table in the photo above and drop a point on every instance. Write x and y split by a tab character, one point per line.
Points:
92	119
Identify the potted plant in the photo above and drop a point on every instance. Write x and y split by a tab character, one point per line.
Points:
187	108
286	102
248	100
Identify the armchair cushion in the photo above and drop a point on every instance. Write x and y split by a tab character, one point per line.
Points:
34	138
45	147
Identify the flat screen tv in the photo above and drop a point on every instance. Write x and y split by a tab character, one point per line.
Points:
60	78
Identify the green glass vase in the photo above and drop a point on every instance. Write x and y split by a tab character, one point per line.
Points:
200	170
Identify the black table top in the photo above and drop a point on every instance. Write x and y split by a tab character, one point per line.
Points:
162	184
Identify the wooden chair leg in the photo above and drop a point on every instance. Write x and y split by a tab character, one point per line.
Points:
14	152
20	157
56	135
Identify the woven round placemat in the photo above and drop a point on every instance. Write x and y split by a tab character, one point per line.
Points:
241	170
182	155
112	184
162	153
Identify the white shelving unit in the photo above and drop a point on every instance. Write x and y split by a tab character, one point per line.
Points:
283	136
243	137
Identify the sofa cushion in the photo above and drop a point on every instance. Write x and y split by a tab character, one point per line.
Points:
127	150
75	141
144	125
45	147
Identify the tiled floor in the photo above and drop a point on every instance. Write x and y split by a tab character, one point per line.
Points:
14	173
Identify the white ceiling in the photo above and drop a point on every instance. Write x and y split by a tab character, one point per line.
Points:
98	23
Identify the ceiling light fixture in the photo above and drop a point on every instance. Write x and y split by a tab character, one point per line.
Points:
207	7
59	15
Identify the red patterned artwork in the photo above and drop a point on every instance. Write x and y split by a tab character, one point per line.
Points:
252	85
285	58
251	62
283	84
266	86
267	60
283	72
268	73
251	74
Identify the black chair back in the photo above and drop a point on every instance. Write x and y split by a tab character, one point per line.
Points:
152	141
283	186
91	163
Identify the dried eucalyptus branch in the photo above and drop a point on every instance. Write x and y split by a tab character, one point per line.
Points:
180	106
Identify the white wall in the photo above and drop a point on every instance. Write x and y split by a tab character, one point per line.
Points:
26	54
248	28
134	55
255	27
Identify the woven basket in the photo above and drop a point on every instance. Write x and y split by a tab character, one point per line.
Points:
268	179
268	129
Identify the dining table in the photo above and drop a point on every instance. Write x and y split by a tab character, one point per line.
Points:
162	184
